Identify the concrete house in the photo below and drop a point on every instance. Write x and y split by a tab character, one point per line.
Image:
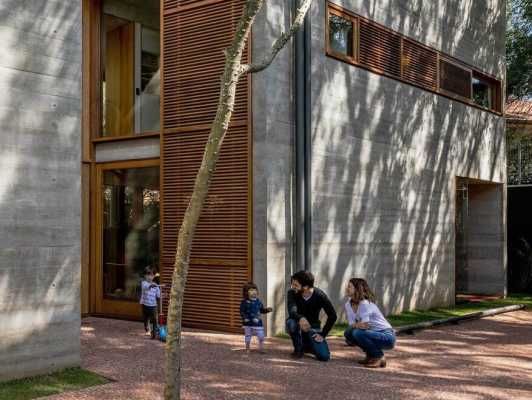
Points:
374	146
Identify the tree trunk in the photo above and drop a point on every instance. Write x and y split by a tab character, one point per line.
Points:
232	72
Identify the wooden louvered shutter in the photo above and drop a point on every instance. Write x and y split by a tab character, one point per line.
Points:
380	49
419	65
455	79
195	33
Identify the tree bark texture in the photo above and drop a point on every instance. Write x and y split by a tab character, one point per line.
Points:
233	71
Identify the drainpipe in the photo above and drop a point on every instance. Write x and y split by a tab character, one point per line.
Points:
302	215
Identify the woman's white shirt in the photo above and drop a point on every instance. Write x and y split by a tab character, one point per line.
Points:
367	312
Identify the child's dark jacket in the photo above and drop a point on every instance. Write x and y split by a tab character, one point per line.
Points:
250	311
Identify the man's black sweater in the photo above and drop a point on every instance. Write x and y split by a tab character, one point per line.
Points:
298	308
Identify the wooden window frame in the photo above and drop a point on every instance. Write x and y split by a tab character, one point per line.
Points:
355	39
102	306
332	8
496	90
92	56
449	93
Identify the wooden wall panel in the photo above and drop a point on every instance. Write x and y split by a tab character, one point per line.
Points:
419	65
195	33
380	49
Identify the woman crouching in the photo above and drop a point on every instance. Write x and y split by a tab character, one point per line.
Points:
368	329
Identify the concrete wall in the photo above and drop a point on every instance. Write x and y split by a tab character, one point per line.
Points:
273	171
123	150
385	154
40	75
485	272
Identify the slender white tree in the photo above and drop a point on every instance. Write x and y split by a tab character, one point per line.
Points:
233	71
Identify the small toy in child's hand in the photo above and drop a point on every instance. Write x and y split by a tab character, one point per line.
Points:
251	309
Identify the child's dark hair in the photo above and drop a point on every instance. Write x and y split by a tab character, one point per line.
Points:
148	270
247	286
305	278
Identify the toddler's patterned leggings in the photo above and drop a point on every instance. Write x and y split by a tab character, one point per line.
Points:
249	331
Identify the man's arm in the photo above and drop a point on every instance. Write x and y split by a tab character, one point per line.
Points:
331	315
292	306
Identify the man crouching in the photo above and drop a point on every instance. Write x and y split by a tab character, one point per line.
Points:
303	325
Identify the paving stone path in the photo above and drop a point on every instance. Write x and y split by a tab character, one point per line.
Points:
486	359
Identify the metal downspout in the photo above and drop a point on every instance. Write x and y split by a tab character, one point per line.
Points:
302	215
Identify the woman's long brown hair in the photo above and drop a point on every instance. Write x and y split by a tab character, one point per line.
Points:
362	291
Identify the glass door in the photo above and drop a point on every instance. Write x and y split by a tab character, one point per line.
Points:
127	233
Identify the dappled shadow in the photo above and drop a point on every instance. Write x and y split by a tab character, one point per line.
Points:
385	156
489	358
40	115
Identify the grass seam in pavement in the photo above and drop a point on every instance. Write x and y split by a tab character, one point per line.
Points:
462	309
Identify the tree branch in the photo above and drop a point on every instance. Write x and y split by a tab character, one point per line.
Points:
280	42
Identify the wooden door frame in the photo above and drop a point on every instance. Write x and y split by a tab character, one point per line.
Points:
91	126
115	308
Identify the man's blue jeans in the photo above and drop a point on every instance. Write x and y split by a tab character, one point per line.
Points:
304	343
371	342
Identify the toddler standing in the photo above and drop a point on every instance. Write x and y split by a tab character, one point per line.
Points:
251	309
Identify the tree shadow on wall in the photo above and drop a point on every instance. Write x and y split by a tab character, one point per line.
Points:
385	156
40	73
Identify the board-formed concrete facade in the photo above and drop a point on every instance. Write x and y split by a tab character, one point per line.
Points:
40	154
385	158
382	184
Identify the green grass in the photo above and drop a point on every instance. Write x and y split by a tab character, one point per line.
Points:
413	317
47	385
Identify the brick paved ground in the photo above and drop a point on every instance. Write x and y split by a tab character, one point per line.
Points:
486	359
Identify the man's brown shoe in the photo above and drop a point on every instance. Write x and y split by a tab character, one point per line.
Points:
376	363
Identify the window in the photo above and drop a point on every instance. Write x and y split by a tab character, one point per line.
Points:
372	46
130	67
341	35
486	92
455	80
482	94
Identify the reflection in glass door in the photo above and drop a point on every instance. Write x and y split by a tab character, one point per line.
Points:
129	234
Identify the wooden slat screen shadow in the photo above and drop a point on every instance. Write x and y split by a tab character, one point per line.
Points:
193	61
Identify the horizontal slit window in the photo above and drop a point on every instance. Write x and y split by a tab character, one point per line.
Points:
356	40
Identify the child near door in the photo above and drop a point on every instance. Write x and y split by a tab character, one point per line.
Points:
148	299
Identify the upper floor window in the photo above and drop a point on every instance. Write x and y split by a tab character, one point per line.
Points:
454	79
342	30
130	62
375	47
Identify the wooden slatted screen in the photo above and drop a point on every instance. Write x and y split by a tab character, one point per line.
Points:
420	65
380	49
195	33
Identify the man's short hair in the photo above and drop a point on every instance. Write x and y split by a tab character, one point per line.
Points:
305	278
